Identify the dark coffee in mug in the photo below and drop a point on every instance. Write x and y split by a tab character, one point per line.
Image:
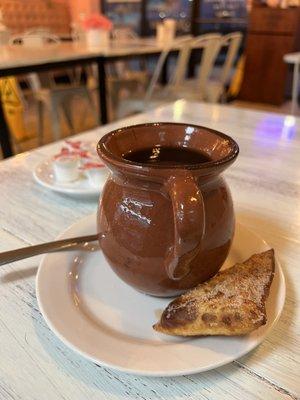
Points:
167	156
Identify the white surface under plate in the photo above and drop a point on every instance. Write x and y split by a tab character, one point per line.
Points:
92	311
44	175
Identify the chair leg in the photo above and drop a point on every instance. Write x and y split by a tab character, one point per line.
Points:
66	107
40	132
114	99
54	115
17	146
92	105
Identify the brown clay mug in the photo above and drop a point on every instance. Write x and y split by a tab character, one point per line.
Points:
165	229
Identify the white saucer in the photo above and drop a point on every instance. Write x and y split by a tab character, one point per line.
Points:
92	311
44	175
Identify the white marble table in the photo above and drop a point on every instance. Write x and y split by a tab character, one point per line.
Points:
265	182
13	57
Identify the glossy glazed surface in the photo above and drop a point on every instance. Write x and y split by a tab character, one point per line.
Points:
167	228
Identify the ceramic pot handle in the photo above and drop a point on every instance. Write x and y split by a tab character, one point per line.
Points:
189	224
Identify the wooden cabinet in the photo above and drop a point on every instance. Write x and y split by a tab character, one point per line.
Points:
272	33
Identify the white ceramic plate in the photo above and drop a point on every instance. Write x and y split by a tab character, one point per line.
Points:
92	311
44	175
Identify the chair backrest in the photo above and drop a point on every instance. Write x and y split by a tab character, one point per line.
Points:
232	41
33	82
182	60
159	65
124	34
210	44
154	79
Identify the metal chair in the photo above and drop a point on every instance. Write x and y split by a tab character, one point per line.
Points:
215	89
48	95
155	94
178	86
127	69
194	89
55	100
205	87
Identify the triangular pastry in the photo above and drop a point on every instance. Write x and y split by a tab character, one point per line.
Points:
230	303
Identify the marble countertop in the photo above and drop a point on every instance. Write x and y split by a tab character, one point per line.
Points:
21	56
265	183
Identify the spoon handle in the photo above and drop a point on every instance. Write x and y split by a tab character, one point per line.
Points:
59	245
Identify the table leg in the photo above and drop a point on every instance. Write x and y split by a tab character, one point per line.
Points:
5	142
102	91
295	88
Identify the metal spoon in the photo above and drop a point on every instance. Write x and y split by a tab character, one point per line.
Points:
50	247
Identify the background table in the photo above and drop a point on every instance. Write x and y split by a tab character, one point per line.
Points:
19	60
265	183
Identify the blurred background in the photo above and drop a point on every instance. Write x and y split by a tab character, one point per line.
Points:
224	51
